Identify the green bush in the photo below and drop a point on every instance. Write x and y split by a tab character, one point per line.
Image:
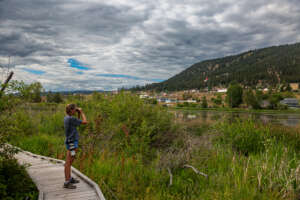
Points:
23	124
290	137
203	102
234	95
244	136
132	123
15	184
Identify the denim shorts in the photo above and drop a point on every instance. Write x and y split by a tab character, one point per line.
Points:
75	145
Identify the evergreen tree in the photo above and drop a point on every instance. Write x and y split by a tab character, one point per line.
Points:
250	99
49	96
234	95
204	102
36	90
57	98
274	100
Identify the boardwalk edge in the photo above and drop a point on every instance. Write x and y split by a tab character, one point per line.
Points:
74	170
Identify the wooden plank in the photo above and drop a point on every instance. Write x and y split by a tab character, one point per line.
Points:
51	178
60	182
77	195
48	171
48	174
59	189
41	166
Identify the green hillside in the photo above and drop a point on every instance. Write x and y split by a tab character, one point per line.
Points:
265	67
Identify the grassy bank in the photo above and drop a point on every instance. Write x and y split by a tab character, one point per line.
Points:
130	148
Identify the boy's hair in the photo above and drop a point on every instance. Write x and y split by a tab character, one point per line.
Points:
69	108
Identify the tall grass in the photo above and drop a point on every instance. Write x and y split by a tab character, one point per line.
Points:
272	155
128	146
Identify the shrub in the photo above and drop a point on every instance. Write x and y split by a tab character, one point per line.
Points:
234	95
250	99
23	124
244	136
274	100
54	97
15	182
124	122
290	137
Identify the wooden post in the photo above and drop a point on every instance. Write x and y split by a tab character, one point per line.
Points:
5	83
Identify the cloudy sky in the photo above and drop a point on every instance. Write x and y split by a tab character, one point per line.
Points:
104	45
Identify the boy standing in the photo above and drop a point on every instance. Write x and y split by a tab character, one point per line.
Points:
72	138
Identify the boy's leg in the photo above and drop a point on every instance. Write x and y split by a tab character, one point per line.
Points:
72	179
68	184
68	164
73	157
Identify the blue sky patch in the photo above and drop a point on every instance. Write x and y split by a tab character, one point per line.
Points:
76	64
119	76
80	73
157	80
127	77
33	71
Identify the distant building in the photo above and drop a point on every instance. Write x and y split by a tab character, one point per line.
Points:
191	101
294	86
192	116
194	90
166	100
144	96
222	90
290	102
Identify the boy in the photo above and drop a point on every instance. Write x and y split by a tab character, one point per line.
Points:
72	137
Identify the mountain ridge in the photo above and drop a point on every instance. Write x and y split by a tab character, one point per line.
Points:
265	67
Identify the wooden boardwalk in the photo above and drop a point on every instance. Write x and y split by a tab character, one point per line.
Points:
48	175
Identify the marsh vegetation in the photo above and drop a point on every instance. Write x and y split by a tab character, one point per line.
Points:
135	150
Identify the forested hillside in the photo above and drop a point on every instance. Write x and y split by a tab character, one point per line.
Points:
265	67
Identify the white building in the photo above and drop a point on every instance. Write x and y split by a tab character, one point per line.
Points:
222	90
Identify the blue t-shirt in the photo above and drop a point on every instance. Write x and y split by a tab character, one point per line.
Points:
70	124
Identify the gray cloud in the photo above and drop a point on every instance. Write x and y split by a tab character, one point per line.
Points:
147	39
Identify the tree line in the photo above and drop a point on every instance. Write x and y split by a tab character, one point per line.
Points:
32	92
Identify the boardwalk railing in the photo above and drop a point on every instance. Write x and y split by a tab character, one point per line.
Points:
33	158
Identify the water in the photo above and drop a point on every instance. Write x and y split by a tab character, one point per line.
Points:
290	120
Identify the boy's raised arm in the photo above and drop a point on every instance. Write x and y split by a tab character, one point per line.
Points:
84	121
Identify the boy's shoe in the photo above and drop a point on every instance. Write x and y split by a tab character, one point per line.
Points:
69	185
74	180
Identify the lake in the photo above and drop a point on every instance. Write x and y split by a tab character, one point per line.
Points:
285	119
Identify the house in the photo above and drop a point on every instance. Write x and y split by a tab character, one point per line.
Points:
191	101
167	101
290	102
294	86
222	90
144	96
